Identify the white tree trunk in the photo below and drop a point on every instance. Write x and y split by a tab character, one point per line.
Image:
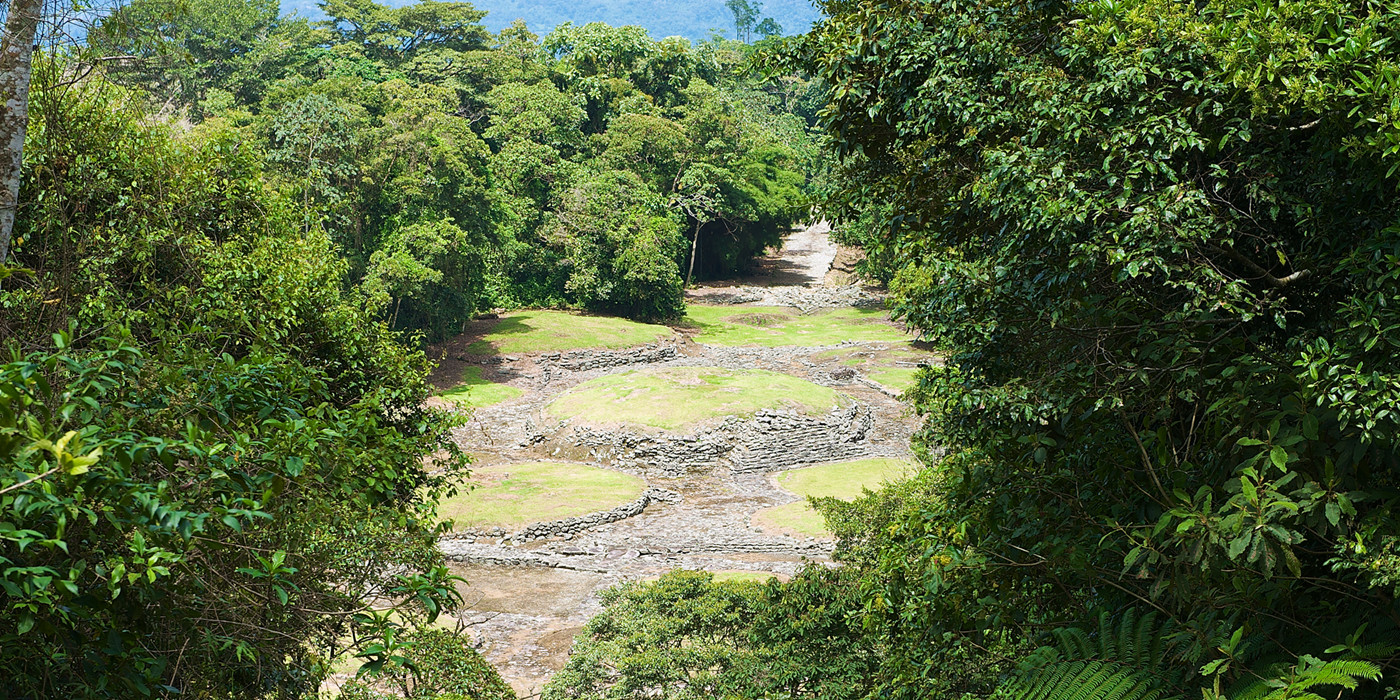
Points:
16	61
694	245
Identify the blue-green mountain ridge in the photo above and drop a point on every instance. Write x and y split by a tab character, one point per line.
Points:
694	20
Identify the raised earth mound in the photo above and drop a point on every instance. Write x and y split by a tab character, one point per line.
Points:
511	496
681	398
668	421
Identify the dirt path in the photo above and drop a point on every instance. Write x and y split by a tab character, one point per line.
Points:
803	261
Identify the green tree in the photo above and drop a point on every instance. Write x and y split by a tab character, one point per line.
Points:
745	17
181	50
220	469
1156	242
395	35
620	245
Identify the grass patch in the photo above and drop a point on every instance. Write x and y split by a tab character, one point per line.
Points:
900	379
734	326
552	331
475	392
796	518
515	495
675	397
843	480
754	576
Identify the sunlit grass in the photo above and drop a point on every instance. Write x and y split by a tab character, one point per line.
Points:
475	392
677	397
774	327
843	480
899	379
515	495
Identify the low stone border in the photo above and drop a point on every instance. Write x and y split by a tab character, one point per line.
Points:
804	299
574	525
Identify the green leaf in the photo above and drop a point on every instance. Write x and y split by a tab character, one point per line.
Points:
1237	545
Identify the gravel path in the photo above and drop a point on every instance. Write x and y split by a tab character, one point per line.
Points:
809	252
803	261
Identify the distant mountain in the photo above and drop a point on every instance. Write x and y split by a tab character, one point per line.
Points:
692	19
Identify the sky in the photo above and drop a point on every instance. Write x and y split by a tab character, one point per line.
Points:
692	19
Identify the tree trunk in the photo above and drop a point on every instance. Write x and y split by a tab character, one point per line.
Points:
694	244
16	67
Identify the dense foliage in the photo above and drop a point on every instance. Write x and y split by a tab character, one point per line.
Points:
1158	243
687	635
438	665
458	170
696	21
216	469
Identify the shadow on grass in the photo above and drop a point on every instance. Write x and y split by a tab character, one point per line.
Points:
506	327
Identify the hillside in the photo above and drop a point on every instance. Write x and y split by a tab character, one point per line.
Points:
693	20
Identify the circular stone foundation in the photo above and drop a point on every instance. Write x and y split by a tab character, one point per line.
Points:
512	496
682	398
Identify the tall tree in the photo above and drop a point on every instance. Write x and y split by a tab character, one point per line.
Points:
16	67
745	17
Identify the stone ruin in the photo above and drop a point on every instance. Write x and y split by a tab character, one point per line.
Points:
771	440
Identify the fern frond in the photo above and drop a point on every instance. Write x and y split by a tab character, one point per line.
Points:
1081	680
1296	682
1123	659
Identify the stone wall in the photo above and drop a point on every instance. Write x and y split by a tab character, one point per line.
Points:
585	360
778	440
804	299
665	455
769	441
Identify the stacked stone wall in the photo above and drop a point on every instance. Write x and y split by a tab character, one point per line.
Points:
778	440
769	441
586	360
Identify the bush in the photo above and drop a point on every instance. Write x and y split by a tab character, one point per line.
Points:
442	666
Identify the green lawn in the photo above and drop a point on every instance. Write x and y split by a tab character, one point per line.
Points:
552	331
515	495
475	392
899	379
772	326
844	480
675	397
